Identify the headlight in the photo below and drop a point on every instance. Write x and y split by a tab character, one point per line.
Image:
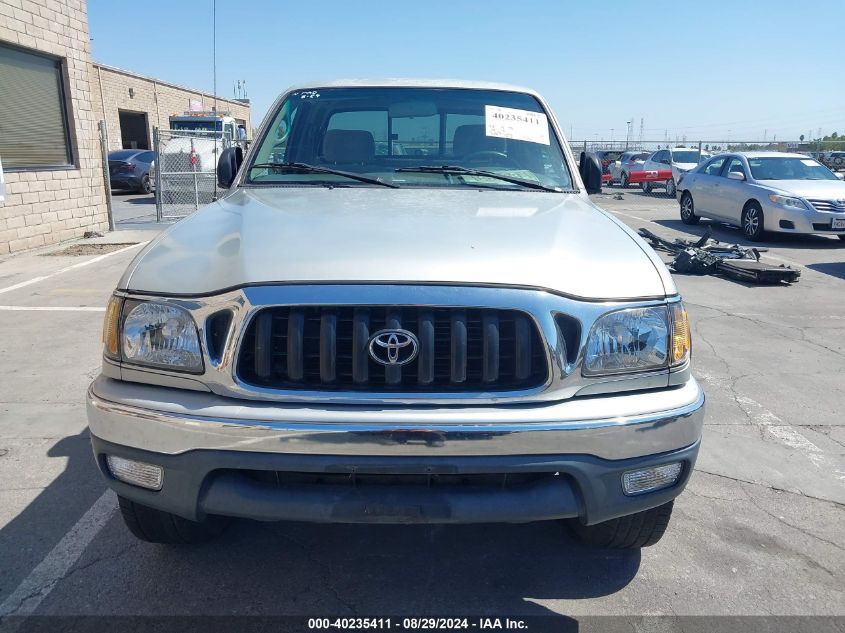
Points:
160	335
785	201
638	339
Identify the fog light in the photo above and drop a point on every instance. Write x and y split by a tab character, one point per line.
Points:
136	473
635	482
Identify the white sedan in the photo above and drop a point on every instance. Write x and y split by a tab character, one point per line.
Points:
765	191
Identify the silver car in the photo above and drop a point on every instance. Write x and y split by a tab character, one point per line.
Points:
364	335
765	191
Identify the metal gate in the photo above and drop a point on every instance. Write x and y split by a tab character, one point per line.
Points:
185	171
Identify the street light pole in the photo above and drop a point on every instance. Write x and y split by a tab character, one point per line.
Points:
214	49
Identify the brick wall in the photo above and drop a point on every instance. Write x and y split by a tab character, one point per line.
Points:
48	206
159	100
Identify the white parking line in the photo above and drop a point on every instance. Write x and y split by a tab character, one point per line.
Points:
93	260
788	435
51	309
31	592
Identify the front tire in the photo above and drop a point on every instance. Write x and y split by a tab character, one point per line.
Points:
670	188
624	181
688	215
629	532
752	222
646	187
156	526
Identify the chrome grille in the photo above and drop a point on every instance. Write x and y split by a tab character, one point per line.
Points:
829	206
326	348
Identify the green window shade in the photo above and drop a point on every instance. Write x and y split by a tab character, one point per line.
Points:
33	125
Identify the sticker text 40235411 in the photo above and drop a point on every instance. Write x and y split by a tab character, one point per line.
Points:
521	125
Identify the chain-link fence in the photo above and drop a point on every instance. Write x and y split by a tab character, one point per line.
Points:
653	168
186	170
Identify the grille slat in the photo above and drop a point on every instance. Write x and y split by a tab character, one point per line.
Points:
360	338
458	367
264	345
425	358
522	348
830	206
490	333
326	348
296	344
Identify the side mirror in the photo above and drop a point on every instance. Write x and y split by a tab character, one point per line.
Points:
228	165
736	175
590	173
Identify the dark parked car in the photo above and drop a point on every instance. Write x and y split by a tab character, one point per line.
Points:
606	158
130	169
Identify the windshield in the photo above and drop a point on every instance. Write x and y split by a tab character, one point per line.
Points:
384	133
788	168
689	156
197	125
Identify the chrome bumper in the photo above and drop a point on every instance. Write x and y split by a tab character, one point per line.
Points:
173	421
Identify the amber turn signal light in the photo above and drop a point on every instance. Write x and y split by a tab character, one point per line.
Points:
681	338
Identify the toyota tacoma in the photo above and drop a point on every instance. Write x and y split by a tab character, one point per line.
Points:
404	309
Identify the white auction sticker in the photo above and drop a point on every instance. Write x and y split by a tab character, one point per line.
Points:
521	125
808	162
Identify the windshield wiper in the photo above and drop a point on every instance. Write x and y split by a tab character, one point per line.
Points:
316	169
466	171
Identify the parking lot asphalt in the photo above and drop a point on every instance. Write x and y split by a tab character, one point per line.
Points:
758	530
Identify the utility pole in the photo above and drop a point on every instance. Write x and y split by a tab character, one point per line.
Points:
214	49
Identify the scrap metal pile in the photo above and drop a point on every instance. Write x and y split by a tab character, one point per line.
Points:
707	256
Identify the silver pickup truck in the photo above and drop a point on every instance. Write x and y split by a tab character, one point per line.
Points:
405	309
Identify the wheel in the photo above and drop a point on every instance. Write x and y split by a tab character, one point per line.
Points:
156	526
752	222
624	181
629	532
146	185
688	215
670	188
646	187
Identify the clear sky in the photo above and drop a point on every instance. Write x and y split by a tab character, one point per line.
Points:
724	70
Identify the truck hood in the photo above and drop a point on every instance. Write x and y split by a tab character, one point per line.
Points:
560	242
820	189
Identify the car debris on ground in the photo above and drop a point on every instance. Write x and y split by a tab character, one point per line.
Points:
707	256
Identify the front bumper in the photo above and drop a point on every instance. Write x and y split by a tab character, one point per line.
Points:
209	446
803	221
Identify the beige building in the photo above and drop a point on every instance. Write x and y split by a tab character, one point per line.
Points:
49	146
52	98
132	105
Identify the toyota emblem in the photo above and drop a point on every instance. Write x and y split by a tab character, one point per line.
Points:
393	348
